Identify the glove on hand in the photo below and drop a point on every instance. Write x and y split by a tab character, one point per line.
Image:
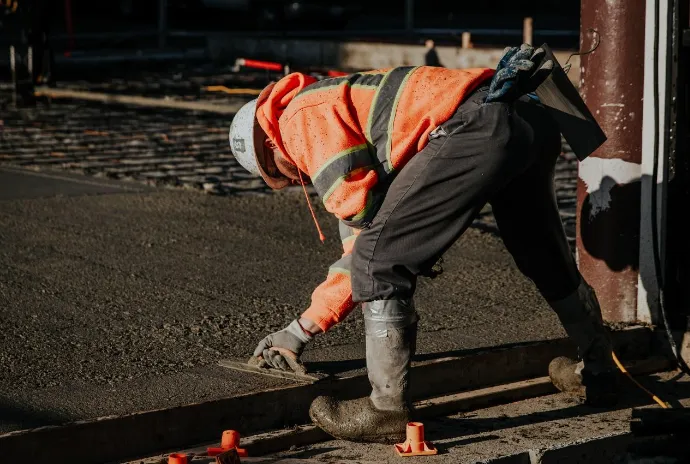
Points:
273	348
516	75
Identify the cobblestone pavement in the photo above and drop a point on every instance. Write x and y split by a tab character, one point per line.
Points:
163	147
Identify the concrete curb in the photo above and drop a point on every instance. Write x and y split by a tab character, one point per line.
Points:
272	442
140	434
599	450
276	441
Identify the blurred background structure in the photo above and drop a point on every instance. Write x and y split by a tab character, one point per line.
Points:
128	32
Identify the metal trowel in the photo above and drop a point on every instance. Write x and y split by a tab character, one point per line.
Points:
259	366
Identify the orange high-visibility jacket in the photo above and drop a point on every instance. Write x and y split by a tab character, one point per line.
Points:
351	135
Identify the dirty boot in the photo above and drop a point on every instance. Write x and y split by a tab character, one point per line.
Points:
391	333
593	380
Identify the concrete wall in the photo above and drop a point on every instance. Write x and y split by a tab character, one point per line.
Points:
353	55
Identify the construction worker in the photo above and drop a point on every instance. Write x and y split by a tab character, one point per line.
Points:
406	158
31	57
431	56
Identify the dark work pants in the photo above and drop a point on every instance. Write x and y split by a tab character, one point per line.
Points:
497	153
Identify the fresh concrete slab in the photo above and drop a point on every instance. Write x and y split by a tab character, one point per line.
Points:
107	297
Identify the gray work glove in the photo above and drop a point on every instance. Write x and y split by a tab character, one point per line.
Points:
278	348
519	72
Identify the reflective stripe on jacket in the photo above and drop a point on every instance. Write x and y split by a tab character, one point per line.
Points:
351	135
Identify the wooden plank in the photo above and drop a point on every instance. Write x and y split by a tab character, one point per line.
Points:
137	100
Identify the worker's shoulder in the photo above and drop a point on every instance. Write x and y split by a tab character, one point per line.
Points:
303	106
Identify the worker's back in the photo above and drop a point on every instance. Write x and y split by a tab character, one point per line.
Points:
423	99
349	132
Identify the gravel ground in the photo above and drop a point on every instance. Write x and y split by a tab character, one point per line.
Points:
164	147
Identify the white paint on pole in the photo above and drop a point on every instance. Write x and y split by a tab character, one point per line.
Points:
647	299
600	175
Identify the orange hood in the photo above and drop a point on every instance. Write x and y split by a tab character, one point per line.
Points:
273	101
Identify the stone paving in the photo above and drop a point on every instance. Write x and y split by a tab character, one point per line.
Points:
164	147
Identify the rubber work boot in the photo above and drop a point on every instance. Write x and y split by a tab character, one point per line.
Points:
391	334
593	380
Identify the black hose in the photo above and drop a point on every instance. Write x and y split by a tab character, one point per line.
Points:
655	177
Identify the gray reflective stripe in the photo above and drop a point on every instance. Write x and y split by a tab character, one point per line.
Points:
345	231
342	266
338	167
367	80
322	85
382	315
382	113
354	80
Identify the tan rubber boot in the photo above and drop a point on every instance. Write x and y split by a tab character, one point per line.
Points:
382	417
593	379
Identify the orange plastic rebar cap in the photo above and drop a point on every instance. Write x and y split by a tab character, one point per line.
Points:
230	439
177	458
414	444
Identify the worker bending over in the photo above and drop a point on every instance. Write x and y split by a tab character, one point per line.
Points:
406	158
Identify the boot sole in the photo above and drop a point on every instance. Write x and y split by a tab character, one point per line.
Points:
384	440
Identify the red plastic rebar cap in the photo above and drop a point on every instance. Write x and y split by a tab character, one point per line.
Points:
230	439
414	444
177	458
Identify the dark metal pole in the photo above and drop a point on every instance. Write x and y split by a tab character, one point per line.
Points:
608	190
162	23
409	16
13	70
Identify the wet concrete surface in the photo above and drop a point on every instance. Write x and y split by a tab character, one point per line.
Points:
537	424
123	302
24	184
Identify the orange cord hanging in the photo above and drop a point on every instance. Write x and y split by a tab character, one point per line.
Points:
622	368
322	237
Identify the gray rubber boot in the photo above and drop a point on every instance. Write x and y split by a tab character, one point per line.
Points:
382	417
593	379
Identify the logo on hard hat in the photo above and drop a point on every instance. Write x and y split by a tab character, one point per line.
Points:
238	145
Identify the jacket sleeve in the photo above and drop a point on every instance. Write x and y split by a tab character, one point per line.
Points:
331	302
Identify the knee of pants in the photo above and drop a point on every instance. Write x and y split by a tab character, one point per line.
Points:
378	279
361	281
359	278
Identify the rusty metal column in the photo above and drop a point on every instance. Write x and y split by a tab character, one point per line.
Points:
608	190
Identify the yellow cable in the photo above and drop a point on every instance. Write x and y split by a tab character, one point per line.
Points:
222	88
661	403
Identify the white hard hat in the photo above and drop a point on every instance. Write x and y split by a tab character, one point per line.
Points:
247	142
242	137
